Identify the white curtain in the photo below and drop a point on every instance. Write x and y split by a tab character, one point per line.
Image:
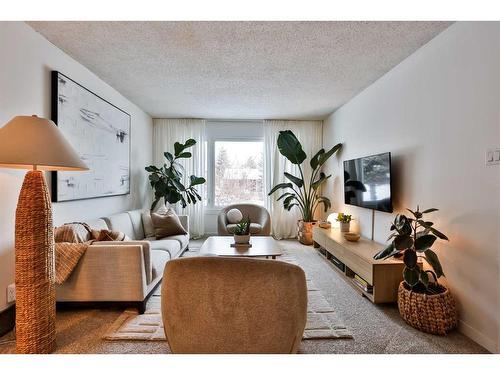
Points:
165	133
309	133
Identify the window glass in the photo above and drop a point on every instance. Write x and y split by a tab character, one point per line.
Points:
238	172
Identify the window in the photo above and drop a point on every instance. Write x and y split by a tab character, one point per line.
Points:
238	172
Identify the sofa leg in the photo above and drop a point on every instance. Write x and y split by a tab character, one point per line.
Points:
141	306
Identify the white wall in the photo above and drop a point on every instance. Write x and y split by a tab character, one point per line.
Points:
26	61
437	112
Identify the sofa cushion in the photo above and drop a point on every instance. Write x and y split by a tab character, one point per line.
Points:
254	228
171	247
147	224
121	222
159	259
136	219
167	225
182	238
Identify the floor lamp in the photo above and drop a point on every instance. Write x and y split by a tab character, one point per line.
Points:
30	142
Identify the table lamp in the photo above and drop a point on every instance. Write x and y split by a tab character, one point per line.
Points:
30	142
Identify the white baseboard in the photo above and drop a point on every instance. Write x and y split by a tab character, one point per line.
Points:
477	336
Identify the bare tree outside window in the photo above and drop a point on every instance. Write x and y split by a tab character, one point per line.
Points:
238	173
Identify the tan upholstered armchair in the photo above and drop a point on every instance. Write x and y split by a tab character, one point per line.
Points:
233	305
260	221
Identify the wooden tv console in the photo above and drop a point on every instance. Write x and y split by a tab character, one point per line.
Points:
357	257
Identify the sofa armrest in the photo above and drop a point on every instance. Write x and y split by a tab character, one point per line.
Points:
107	272
184	219
146	253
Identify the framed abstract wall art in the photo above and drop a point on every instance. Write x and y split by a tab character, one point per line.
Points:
100	132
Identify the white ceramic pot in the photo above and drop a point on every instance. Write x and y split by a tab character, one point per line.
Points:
242	239
344	227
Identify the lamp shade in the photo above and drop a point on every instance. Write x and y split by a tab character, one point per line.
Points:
31	142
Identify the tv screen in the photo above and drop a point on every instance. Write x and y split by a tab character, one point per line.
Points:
367	182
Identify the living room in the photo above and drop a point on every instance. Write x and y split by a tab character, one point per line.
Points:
167	184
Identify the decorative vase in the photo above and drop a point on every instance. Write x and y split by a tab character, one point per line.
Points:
344	227
304	231
242	239
434	313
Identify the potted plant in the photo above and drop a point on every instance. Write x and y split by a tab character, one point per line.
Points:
167	180
423	302
242	232
345	221
301	193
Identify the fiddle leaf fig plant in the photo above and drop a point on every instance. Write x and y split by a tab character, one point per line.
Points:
412	238
299	192
167	181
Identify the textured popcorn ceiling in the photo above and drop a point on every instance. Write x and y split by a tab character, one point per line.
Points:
239	70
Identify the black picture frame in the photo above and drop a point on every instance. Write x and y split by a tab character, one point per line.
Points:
55	175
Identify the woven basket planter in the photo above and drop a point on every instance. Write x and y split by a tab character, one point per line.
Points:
436	314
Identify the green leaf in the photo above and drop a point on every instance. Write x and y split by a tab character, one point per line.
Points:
290	206
297	181
178	185
151	169
290	147
424	242
424	278
417	214
196	180
314	162
155	202
410	258
190	142
429	210
178	148
288	200
282	185
324	157
172	196
325	201
439	234
432	258
283	196
322	178
184	155
168	156
403	242
411	276
385	252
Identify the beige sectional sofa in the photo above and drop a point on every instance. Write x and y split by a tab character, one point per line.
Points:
122	273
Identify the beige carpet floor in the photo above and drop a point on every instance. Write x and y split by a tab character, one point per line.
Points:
375	328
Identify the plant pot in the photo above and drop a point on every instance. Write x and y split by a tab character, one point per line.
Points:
436	314
304	231
344	227
242	238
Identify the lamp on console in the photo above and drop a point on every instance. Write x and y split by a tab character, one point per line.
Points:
30	142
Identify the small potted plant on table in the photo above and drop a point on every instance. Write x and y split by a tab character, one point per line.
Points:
345	222
423	304
242	232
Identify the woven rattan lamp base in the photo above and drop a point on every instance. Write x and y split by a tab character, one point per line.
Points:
35	289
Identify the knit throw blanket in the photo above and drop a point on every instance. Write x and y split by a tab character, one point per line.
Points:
72	241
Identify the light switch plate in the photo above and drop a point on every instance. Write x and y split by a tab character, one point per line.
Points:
11	293
492	156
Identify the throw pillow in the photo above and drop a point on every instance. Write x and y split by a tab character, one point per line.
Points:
234	216
167	224
147	223
72	232
108	235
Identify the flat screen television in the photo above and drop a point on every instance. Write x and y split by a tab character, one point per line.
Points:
367	182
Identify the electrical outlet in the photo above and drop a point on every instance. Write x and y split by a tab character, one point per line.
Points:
11	293
492	156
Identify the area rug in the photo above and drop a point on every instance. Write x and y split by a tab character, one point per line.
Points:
322	322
